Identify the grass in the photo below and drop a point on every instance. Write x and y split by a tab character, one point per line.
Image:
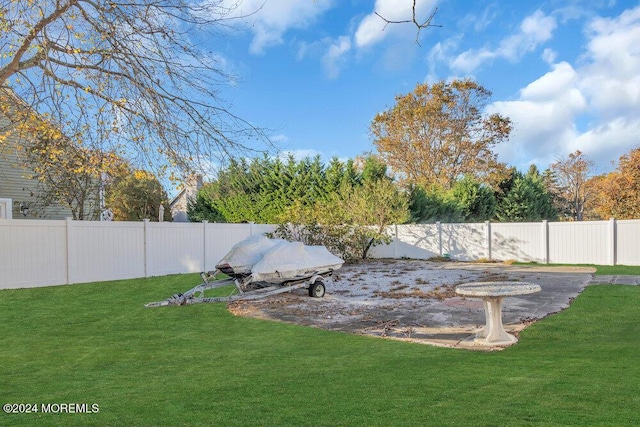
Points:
200	365
633	270
601	270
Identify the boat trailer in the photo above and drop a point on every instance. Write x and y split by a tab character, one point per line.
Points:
259	267
245	288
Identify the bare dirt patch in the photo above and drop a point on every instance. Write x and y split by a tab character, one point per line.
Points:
415	300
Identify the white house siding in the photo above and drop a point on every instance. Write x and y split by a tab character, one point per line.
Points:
14	185
180	204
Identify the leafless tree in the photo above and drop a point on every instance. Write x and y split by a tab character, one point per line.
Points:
129	75
571	184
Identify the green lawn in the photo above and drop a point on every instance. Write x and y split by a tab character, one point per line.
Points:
633	270
601	270
199	365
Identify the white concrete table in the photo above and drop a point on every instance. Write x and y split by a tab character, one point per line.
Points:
492	294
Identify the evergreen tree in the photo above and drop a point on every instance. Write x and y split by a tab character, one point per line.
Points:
348	222
263	189
434	205
373	169
526	199
476	201
201	210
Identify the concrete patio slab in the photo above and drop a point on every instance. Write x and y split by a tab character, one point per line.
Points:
415	300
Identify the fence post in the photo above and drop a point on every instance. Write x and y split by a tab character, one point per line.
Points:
147	247
545	241
204	245
395	241
488	237
68	224
439	225
612	241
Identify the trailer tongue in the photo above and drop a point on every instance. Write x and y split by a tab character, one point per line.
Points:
259	267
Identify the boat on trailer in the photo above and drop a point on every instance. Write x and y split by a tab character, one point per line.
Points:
259	267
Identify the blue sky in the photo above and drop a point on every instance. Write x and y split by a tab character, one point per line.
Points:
315	73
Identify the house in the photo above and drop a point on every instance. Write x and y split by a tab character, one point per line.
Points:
19	193
180	203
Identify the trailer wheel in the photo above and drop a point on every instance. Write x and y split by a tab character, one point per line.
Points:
317	289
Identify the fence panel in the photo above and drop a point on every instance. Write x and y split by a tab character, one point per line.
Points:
44	252
465	242
175	248
585	242
628	242
518	241
105	250
221	238
417	241
262	228
32	253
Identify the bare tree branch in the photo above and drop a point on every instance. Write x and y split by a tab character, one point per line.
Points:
414	20
131	74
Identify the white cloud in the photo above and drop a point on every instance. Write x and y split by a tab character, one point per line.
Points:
280	138
334	57
439	54
370	31
269	20
538	27
606	142
543	117
549	55
552	85
534	31
471	59
479	22
602	94
612	76
373	29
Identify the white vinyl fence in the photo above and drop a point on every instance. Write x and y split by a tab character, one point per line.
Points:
589	242
43	253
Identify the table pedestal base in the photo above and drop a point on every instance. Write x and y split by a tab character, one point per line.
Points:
493	332
492	294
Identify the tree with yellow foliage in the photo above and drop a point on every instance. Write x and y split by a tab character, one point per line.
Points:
439	133
135	196
617	194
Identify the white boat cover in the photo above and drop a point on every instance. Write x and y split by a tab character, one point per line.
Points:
289	260
243	255
277	260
